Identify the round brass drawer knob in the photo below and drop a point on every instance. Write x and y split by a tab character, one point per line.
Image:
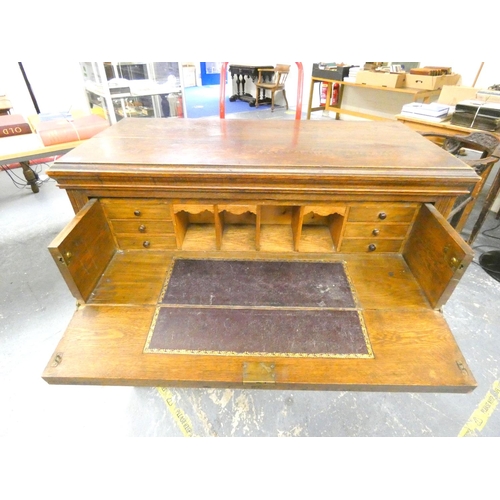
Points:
382	216
137	213
372	247
142	228
376	232
146	244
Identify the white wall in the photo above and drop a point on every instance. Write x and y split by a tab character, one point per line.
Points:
13	86
57	86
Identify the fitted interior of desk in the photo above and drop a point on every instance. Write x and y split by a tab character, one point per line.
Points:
402	261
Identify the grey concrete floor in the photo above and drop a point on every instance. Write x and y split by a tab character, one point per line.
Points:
36	306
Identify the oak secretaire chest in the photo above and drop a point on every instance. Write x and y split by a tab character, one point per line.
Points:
247	253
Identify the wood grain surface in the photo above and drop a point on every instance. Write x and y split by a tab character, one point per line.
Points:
413	346
218	160
371	194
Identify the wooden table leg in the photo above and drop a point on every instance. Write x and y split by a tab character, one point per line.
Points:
490	198
311	90
462	219
31	176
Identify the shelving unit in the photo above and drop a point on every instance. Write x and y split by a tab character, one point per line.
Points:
413	95
118	90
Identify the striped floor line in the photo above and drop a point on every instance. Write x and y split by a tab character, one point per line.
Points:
482	413
475	424
181	419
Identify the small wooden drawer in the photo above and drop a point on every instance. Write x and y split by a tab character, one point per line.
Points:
132	226
363	245
374	230
136	208
396	212
130	242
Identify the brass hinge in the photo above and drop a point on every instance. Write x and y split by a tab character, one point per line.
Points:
57	359
259	373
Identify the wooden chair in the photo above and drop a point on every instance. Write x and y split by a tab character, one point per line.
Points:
276	83
489	147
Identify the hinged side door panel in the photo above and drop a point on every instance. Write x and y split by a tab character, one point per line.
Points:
436	255
83	250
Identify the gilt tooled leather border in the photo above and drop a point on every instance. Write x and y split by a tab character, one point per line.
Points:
348	324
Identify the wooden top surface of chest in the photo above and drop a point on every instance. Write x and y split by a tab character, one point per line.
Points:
264	153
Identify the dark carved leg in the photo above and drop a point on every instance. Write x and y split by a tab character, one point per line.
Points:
238	89
241	94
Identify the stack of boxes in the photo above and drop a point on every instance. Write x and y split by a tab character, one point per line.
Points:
427	78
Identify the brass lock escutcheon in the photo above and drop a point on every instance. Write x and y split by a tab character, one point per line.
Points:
452	260
255	372
65	258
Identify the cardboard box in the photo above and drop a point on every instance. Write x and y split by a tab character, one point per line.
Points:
430	82
431	70
451	94
381	79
